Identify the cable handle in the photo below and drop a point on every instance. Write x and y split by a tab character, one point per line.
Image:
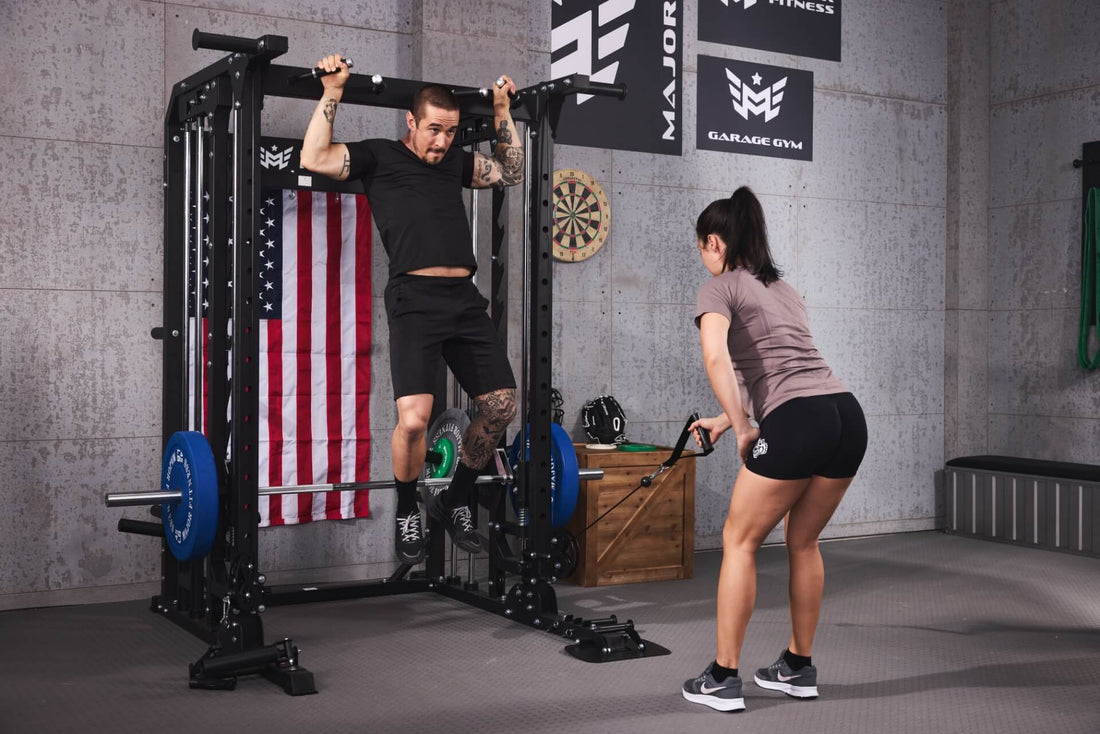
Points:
678	451
704	439
704	435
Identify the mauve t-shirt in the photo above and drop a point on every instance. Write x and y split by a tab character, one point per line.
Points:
769	341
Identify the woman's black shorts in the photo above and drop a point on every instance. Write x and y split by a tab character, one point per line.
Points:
822	435
433	319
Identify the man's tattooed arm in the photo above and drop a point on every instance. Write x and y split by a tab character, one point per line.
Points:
508	154
319	154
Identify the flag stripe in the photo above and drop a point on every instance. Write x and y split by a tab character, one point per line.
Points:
287	214
332	346
205	376
303	316
350	346
318	362
362	309
274	455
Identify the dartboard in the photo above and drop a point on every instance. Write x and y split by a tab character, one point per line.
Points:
582	215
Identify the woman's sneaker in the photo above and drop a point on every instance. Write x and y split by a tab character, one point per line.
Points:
724	696
778	676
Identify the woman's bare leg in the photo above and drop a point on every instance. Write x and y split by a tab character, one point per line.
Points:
808	517
757	505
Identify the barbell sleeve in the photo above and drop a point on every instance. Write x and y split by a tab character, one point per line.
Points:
136	499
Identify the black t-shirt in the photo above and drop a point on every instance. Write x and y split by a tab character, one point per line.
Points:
418	207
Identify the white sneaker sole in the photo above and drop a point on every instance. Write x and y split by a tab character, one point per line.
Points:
718	704
792	691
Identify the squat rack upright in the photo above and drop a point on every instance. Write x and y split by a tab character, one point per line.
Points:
213	118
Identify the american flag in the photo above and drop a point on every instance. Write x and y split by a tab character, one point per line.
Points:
314	299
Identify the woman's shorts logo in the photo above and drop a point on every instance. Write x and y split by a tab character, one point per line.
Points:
759	448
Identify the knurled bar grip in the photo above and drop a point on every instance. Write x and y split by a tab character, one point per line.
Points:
219	42
134	499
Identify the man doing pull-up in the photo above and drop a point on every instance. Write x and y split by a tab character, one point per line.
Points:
433	309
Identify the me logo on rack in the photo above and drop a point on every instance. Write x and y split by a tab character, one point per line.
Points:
746	101
608	26
275	158
744	3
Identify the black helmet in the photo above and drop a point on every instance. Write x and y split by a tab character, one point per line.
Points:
604	420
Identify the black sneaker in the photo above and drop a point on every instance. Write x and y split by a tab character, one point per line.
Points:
458	521
778	676
724	696
408	539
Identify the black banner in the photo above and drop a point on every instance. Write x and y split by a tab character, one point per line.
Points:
799	27
755	109
638	43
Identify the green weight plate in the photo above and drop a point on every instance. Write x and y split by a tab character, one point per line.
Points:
446	448
446	432
637	447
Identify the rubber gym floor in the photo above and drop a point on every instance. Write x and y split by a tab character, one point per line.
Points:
920	632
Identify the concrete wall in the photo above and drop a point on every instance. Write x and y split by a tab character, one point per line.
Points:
1044	103
966	334
862	232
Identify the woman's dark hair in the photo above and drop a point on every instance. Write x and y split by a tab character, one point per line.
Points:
739	221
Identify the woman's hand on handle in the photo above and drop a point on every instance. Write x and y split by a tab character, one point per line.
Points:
715	426
719	424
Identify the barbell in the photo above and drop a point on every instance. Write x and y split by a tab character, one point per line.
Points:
189	483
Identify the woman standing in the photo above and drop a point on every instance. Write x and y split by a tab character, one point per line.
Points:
762	362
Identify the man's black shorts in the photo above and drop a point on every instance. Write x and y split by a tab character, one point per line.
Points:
433	318
822	435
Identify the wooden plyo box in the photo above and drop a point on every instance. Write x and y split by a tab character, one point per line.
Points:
649	537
